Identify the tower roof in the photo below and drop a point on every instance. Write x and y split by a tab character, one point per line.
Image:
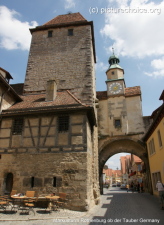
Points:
67	18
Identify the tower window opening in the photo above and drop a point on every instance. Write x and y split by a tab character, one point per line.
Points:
50	33
70	32
117	123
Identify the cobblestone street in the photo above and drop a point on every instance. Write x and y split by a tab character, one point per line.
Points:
117	207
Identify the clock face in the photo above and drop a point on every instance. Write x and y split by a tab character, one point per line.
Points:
115	88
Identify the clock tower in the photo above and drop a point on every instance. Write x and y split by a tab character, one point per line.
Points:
115	77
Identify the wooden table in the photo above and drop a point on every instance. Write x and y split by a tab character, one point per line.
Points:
19	202
53	201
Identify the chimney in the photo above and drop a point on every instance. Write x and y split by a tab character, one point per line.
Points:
51	90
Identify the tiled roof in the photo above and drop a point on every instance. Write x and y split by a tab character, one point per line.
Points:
18	88
37	102
67	18
162	96
101	95
130	91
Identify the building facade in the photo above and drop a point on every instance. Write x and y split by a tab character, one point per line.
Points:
120	120
48	134
154	139
53	136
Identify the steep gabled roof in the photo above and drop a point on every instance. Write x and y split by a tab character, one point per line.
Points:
36	102
67	18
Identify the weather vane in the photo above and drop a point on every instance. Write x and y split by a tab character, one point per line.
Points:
113	50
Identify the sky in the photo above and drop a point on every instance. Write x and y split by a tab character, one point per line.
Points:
134	28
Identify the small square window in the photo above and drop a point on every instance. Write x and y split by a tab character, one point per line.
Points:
50	33
117	123
63	123
70	32
112	72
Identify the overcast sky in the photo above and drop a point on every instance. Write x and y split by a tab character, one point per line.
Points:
133	27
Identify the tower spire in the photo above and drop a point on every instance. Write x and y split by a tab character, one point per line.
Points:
113	50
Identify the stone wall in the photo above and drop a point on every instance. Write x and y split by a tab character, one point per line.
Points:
127	109
68	170
67	59
56	161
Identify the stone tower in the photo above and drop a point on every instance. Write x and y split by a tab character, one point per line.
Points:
63	50
48	137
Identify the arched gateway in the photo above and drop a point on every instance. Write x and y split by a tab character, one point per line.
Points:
127	144
121	124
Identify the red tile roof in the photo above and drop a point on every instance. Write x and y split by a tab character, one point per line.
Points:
130	91
37	102
67	18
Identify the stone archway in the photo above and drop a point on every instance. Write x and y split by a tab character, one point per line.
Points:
112	146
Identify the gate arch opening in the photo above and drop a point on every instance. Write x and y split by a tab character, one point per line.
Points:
129	145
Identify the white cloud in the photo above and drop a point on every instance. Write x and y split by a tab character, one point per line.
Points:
69	4
158	63
14	34
135	26
101	66
158	67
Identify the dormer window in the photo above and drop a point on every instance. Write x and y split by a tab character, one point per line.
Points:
70	32
50	33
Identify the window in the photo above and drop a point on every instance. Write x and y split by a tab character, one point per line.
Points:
54	182
151	147
63	123
159	138
156	176
32	182
18	126
57	181
50	33
70	32
112	72
117	123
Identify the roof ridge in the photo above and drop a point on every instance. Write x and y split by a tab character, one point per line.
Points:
58	19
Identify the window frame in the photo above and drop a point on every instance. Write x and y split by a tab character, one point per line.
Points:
70	32
115	123
63	123
159	138
18	126
50	32
151	147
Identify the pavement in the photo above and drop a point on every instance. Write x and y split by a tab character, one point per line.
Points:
116	207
